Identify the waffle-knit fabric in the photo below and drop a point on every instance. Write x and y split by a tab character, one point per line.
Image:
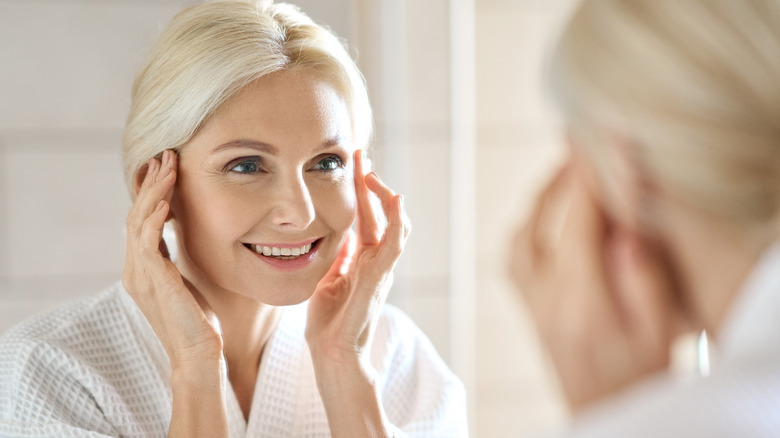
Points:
740	398
94	368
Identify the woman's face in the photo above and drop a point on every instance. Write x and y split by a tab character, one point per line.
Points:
265	193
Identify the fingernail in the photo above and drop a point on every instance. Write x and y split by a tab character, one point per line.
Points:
166	164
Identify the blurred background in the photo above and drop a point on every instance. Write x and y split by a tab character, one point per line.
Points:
464	128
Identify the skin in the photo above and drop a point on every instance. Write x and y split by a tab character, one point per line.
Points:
293	177
608	296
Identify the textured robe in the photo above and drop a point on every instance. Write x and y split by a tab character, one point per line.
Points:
94	368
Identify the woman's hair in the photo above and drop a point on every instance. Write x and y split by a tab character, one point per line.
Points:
212	50
692	86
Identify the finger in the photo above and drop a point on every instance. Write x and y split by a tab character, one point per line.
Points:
534	236
367	227
584	224
168	165
582	255
343	259
151	233
384	193
532	240
394	239
135	217
154	188
644	290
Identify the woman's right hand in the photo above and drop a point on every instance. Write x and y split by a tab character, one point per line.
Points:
174	309
154	282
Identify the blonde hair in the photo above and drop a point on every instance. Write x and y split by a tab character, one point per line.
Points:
694	86
210	51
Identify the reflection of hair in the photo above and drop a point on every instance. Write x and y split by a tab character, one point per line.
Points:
695	87
210	51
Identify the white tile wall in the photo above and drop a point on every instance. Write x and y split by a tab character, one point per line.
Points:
70	64
74	222
65	88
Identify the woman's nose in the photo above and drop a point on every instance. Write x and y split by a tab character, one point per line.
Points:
293	208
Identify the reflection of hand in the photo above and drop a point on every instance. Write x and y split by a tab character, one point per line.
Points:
600	295
193	344
346	305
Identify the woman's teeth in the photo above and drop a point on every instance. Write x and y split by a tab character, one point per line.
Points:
272	251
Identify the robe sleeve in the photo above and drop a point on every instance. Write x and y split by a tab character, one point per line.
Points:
42	393
421	396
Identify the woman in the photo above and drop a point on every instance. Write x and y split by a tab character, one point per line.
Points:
245	134
665	219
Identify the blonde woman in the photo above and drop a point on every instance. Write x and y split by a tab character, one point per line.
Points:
245	135
665	218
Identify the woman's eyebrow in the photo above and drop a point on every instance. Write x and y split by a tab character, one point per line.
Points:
247	143
331	142
270	149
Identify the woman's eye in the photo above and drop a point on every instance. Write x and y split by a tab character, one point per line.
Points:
244	166
329	163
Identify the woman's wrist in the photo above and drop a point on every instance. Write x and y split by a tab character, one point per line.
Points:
350	392
197	388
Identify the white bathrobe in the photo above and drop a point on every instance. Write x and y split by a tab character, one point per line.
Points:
740	398
94	368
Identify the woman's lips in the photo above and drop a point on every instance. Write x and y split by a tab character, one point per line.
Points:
284	256
275	251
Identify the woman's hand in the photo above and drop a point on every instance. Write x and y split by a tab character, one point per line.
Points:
601	295
191	339
346	305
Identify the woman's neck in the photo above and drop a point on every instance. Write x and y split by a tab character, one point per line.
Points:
246	325
713	261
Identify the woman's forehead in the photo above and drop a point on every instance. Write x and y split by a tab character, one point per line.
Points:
281	109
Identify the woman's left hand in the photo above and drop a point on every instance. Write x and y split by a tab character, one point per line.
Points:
346	305
602	296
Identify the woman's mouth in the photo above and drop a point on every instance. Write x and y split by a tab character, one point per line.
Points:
286	257
280	252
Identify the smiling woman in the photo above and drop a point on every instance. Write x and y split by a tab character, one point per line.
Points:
264	171
246	133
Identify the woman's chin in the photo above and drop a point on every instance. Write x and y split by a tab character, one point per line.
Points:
289	299
287	295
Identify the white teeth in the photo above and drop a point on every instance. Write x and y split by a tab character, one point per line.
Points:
270	251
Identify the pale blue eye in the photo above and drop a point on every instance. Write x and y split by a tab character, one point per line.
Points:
329	164
246	167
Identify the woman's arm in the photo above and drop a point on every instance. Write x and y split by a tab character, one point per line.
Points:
191	339
199	408
344	310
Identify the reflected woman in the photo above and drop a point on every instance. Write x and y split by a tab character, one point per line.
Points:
670	213
245	133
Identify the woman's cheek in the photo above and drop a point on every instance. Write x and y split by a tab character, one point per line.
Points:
336	204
